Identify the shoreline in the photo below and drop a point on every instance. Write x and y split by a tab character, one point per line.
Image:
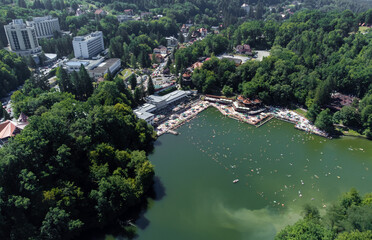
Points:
300	122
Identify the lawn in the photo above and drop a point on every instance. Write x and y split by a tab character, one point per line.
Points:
125	73
363	29
349	132
300	111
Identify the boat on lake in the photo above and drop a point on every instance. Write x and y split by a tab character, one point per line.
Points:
236	180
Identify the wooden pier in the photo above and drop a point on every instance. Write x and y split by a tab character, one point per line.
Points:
172	132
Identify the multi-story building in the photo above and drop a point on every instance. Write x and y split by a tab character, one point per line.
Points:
88	46
22	38
171	41
44	26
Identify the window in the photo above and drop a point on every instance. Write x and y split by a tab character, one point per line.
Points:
15	40
26	39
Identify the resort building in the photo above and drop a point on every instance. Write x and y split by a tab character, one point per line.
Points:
156	103
22	38
145	112
88	46
247	105
45	27
163	101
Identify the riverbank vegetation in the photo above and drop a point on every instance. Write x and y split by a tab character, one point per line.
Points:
348	218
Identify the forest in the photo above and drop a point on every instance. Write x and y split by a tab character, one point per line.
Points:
81	164
348	218
13	72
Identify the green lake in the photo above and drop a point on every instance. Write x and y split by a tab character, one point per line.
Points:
279	170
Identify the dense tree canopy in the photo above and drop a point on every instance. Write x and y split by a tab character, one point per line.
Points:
13	72
78	165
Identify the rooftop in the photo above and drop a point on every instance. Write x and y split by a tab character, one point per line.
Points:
147	107
168	97
88	36
102	67
144	115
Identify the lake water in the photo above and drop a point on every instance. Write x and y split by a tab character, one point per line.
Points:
279	170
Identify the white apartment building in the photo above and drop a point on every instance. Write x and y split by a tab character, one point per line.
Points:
44	26
22	38
88	46
171	41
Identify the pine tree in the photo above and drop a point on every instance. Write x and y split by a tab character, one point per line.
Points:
85	82
63	80
75	81
133	81
133	61
126	56
22	4
150	86
137	95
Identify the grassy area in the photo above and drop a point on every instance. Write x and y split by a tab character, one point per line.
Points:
363	29
125	73
349	132
300	111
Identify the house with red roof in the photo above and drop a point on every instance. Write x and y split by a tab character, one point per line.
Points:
129	12
100	12
10	128
244	49
197	65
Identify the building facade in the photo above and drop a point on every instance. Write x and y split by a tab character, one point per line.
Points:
88	46
44	26
22	38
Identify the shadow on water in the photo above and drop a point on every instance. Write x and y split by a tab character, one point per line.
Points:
157	143
151	149
142	222
125	227
159	189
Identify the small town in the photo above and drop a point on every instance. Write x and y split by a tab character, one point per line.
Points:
173	119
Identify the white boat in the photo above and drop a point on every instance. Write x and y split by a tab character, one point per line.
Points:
236	180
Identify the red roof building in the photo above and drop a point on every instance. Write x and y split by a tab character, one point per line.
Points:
100	12
8	129
243	49
197	65
129	12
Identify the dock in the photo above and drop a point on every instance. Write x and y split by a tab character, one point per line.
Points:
172	132
265	120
